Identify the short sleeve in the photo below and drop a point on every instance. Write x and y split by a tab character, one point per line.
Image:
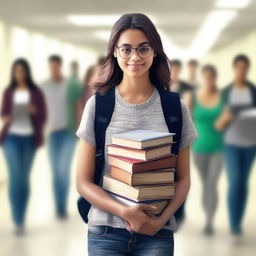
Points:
85	130
188	133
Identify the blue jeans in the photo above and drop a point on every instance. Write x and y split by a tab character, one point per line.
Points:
239	161
106	240
62	145
19	152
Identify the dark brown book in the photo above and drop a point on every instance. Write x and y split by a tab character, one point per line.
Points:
143	154
135	165
138	193
163	176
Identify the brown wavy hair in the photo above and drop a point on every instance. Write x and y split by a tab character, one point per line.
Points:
110	74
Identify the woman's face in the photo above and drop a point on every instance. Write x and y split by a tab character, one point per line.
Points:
135	65
19	74
209	79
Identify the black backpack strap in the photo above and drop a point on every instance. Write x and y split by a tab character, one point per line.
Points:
104	107
171	106
173	116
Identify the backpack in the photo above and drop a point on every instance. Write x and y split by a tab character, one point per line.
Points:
104	108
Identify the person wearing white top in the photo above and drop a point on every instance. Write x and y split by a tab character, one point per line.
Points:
23	112
62	142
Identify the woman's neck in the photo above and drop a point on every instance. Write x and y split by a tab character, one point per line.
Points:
136	90
207	90
22	86
136	85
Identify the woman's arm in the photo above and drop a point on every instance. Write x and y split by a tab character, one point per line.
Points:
96	195
5	108
224	120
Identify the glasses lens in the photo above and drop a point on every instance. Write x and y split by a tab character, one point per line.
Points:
125	52
145	51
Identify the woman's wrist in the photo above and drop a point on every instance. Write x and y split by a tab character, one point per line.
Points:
123	212
165	216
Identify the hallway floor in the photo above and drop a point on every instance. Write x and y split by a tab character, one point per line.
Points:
48	236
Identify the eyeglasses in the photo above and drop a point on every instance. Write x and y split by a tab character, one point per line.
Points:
126	52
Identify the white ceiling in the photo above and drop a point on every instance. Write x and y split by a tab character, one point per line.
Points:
180	20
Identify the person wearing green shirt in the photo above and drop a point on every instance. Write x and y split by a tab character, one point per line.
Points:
206	106
74	99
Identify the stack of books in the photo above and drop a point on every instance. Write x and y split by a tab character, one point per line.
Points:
141	168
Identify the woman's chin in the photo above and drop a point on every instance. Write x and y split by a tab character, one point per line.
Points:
135	73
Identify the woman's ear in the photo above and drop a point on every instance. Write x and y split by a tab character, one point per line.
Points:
115	53
154	54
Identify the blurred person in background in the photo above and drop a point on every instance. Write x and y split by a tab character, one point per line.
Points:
178	85
61	140
184	89
192	69
206	106
24	114
90	77
239	139
74	99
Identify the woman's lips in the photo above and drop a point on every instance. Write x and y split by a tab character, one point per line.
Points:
135	66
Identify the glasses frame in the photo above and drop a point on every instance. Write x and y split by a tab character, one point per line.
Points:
135	49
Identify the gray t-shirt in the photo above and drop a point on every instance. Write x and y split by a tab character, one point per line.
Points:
126	116
241	132
56	101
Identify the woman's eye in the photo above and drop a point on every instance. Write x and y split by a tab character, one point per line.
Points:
144	49
126	50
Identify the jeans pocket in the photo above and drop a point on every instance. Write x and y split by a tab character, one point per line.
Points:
97	230
165	233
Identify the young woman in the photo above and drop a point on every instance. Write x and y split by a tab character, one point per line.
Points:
135	65
24	114
206	106
239	140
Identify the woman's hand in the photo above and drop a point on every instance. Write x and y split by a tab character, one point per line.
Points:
31	109
140	219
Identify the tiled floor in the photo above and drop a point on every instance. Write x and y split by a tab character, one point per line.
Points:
49	236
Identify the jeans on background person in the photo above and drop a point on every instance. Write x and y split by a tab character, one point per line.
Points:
106	240
239	161
19	151
62	145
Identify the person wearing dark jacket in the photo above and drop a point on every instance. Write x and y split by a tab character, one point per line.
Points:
239	139
178	85
24	113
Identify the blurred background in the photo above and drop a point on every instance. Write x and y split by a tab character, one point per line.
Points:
208	31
